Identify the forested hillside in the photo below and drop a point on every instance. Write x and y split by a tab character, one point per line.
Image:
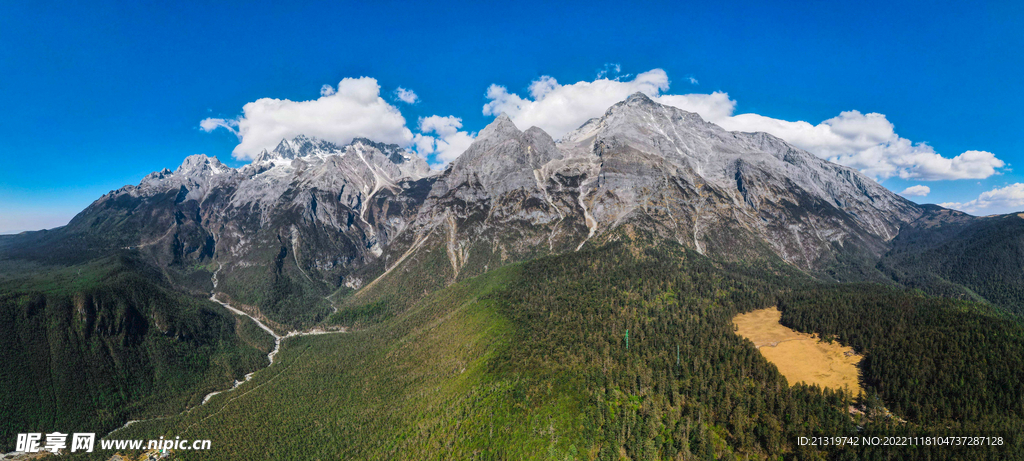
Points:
86	348
621	352
971	259
933	361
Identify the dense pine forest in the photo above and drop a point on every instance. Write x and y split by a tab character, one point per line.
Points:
87	347
932	360
978	259
626	351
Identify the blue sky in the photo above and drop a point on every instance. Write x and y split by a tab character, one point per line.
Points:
96	96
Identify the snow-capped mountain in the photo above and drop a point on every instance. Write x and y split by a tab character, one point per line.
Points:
343	215
327	209
515	193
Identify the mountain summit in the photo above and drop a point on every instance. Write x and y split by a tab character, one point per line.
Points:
516	194
323	215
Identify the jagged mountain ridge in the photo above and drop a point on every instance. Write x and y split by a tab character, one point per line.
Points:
757	175
343	215
308	209
514	194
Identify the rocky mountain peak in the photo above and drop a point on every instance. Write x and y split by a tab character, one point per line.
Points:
163	173
393	152
638	99
303	146
202	165
515	193
501	127
193	179
285	150
640	108
503	158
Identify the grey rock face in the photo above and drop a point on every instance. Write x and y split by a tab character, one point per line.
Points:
516	194
327	208
667	162
342	215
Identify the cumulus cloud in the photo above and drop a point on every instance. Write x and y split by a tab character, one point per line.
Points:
714	106
692	80
558	109
999	200
867	142
406	95
916	191
353	109
448	141
443	126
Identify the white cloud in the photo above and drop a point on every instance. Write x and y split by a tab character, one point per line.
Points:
354	109
999	200
406	95
692	80
542	86
441	125
867	142
211	124
714	106
916	191
558	109
448	143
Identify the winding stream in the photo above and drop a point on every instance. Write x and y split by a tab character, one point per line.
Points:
270	356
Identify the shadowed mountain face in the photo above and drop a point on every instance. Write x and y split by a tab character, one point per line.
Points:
702	181
515	194
298	219
316	216
952	254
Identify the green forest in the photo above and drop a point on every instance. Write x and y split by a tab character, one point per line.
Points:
531	361
86	348
979	260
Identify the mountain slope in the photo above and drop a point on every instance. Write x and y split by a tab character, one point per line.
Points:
285	230
91	346
703	179
953	254
531	361
515	195
310	217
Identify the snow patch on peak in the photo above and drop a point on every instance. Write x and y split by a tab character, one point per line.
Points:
201	164
639	98
196	176
586	130
395	153
286	149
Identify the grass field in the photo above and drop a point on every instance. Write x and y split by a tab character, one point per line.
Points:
800	357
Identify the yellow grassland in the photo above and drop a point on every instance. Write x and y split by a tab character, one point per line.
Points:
800	357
